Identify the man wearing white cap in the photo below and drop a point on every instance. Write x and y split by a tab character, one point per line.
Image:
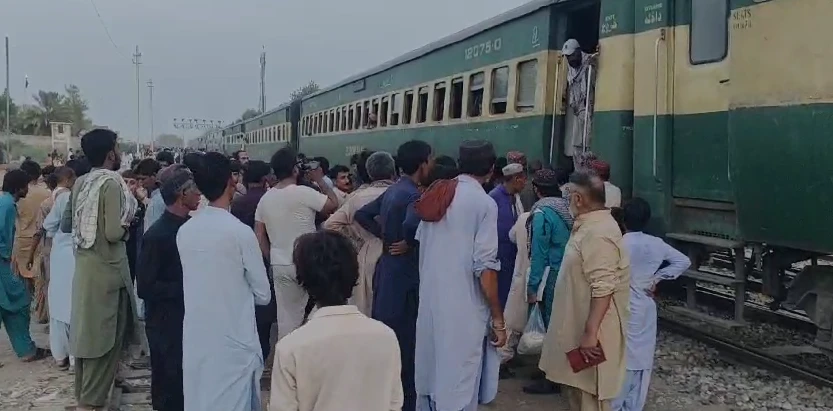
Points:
578	99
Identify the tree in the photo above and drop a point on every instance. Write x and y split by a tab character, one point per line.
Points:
13	109
310	88
75	108
169	140
249	113
52	108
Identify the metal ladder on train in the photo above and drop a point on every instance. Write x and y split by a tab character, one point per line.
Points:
695	245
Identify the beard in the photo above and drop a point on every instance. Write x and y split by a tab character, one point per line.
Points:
117	163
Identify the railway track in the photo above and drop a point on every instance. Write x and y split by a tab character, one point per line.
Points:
745	354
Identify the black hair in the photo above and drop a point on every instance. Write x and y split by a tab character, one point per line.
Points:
548	191
441	172
412	154
47	170
31	168
97	144
355	158
478	162
445	161
595	189
323	162
134	163
338	168
80	166
236	155
326	267
63	173
212	174
256	171
636	214
15	180
361	166
51	181
284	161
147	167
165	156
562	176
192	160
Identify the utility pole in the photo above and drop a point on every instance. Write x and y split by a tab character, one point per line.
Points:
137	61
7	157
263	81
152	136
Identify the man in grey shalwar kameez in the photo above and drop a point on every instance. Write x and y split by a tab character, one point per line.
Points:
460	321
223	277
581	70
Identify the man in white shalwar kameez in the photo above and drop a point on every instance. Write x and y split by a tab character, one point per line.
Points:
647	254
460	321
62	270
223	278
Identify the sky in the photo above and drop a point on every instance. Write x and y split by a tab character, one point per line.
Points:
203	55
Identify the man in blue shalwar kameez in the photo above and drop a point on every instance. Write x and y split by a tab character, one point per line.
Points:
396	280
14	297
460	321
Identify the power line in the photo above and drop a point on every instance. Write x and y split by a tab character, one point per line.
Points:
106	30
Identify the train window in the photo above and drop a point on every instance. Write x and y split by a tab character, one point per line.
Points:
338	119
439	102
407	107
476	94
343	118
366	115
394	109
357	116
527	85
456	98
383	112
332	121
709	31
500	89
422	105
350	111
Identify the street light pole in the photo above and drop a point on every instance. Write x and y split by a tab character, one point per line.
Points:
152	135
194	124
137	61
8	107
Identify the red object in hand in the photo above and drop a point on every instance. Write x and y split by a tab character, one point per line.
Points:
577	360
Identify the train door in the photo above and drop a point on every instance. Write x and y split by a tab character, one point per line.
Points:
700	174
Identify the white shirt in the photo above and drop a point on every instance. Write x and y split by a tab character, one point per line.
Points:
647	253
340	360
288	213
223	277
613	195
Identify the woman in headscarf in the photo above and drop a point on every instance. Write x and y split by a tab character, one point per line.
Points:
549	229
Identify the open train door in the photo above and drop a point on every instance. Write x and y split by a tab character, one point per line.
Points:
701	179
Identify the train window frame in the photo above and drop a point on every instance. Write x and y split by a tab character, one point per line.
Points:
692	35
456	96
474	88
438	109
520	105
422	105
331	127
499	100
384	111
357	116
344	118
395	109
407	107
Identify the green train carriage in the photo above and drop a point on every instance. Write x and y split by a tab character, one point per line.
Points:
693	111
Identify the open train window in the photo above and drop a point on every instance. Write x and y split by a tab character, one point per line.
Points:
338	120
456	98
350	112
343	118
439	101
383	112
422	105
357	119
332	124
394	109
500	89
476	94
407	107
527	85
709	31
366	114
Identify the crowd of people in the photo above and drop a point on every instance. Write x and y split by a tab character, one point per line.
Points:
402	281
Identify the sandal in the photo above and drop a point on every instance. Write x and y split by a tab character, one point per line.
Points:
39	354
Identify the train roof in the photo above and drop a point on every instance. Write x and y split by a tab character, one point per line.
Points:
461	35
272	111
